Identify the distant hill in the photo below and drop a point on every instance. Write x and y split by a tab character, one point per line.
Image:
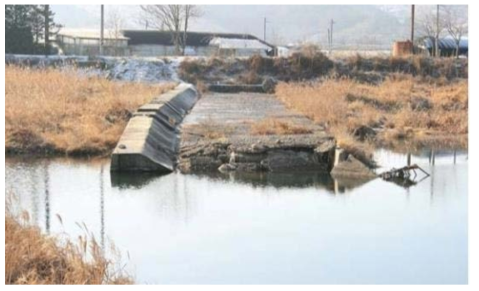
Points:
354	24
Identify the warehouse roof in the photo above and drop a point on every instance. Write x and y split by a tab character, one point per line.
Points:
90	34
446	43
137	37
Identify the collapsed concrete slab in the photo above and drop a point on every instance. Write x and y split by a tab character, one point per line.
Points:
151	139
297	155
346	165
218	135
268	86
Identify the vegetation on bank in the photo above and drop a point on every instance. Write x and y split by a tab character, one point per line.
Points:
404	103
32	257
50	111
276	126
402	108
312	65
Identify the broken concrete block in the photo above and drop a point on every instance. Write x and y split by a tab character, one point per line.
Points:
227	168
351	167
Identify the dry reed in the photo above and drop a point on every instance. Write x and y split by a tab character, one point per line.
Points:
32	257
51	111
275	126
402	107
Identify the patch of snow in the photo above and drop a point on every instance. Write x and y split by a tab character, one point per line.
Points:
234	43
129	69
142	70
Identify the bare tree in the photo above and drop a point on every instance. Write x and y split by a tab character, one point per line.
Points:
174	18
456	23
190	11
142	20
114	23
429	25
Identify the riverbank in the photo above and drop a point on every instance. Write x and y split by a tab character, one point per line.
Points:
50	111
403	104
311	65
32	257
400	103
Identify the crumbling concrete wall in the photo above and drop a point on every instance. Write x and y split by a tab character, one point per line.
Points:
151	139
295	156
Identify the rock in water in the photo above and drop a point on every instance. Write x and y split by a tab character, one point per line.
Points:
227	168
352	167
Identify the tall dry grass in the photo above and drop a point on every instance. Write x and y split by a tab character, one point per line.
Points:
401	106
32	257
275	126
53	111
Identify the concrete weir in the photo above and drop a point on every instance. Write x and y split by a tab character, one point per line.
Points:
220	135
150	141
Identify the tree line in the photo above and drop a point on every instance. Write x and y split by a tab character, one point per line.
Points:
25	28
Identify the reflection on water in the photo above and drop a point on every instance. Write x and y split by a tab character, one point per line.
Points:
261	228
124	180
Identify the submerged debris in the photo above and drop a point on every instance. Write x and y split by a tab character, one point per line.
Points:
405	176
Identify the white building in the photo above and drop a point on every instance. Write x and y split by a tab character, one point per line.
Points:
86	42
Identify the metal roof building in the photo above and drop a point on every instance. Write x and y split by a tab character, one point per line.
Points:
447	46
154	42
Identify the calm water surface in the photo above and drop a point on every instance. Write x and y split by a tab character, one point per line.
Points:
276	229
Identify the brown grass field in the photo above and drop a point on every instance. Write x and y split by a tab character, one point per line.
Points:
35	258
48	111
402	108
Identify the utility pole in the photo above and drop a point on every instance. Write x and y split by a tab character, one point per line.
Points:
437	32
264	29
102	28
331	36
412	26
47	29
329	40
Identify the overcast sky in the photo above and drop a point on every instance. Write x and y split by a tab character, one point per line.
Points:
285	23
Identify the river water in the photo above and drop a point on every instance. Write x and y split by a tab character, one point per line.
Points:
269	228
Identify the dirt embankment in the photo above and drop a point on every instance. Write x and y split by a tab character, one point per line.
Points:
398	102
401	112
314	66
48	111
